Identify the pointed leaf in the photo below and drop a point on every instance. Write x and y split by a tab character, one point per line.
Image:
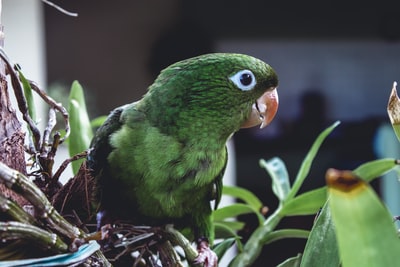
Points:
232	225
376	168
234	210
81	130
306	164
28	94
243	194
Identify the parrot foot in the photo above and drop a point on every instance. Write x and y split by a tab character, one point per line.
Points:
206	256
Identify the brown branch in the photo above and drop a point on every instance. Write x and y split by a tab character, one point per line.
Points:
54	105
65	164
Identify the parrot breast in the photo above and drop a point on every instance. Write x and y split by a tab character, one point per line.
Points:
165	178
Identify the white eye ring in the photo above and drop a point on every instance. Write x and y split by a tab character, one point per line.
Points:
244	80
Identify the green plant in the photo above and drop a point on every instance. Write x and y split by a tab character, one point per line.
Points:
353	227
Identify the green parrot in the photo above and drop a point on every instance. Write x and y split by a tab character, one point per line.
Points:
161	160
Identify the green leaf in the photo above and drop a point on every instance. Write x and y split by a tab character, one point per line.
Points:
28	94
305	204
284	233
243	194
365	231
234	210
227	229
292	262
306	164
81	130
373	169
279	175
231	224
321	248
221	248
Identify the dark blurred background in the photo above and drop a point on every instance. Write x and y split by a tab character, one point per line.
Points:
336	61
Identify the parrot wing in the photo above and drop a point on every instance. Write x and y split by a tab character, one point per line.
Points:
218	183
100	145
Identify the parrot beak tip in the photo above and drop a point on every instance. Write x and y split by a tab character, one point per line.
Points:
263	110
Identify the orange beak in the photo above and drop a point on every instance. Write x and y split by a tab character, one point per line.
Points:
263	110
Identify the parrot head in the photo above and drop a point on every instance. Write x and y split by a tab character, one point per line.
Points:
218	92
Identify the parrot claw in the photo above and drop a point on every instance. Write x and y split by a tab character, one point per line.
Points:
206	257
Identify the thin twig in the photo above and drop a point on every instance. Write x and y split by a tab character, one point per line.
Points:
62	10
53	104
51	123
65	163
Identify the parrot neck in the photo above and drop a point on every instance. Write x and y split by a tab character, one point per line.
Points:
198	134
188	122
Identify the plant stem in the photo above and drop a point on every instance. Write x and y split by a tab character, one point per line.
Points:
254	245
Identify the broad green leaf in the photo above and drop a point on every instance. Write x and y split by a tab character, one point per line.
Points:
321	248
279	175
393	110
81	130
306	164
243	194
305	204
234	210
365	231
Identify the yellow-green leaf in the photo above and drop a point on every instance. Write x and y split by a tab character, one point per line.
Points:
365	231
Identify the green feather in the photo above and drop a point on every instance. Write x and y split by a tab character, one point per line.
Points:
161	159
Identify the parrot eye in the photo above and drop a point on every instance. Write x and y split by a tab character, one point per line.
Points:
244	80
